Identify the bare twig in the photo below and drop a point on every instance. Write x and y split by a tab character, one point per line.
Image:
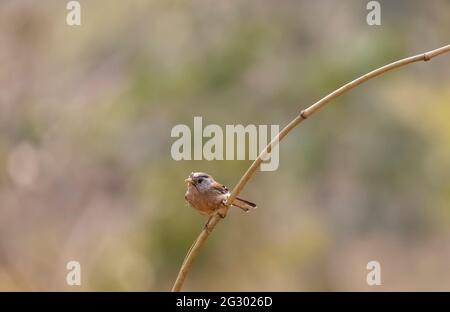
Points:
195	248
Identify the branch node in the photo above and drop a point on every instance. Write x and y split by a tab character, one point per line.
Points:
426	57
303	114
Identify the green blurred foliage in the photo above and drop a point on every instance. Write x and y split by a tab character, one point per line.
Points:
86	172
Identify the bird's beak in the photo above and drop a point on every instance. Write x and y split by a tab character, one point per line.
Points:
189	181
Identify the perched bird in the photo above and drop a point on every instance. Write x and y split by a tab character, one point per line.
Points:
207	196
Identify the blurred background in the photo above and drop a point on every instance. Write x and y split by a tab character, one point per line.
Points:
86	172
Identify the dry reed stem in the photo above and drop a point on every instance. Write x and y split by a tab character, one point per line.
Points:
195	248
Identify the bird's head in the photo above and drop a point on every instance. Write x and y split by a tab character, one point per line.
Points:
200	180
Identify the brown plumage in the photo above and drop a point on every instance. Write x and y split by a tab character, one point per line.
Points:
208	196
243	204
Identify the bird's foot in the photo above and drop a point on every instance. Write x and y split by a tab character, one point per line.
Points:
206	227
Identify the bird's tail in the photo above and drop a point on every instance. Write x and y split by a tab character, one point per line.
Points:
244	204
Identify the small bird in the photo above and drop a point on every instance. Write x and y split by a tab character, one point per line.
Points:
207	196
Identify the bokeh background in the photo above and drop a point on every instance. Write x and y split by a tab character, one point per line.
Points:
86	172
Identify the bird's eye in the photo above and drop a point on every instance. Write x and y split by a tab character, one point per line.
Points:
200	180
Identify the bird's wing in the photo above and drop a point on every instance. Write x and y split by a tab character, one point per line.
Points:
222	189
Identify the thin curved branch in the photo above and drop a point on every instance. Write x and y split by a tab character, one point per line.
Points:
201	239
